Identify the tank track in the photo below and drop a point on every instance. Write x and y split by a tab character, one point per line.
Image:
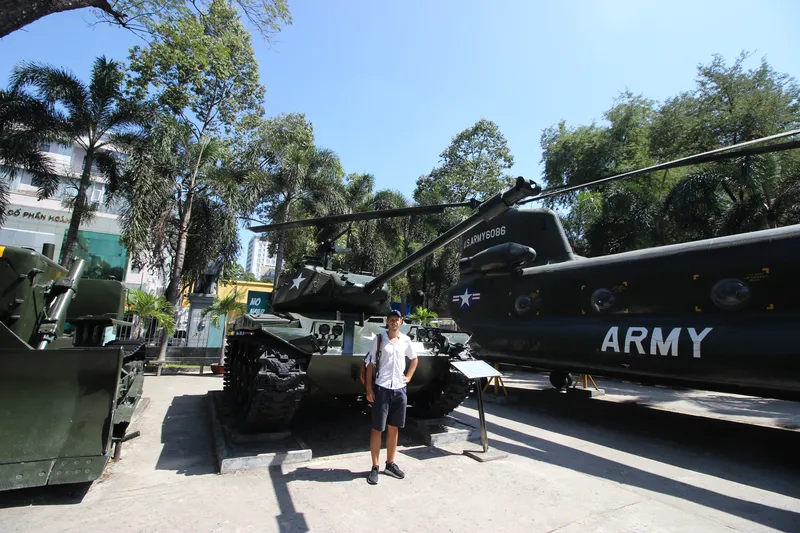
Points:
447	395
265	384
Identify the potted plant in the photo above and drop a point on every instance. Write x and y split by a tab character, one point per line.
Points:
228	309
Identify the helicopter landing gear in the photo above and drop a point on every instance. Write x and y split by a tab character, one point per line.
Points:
560	380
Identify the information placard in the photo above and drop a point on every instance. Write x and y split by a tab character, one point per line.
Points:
476	369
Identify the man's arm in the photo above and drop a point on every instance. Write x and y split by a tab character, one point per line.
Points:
368	384
368	374
413	366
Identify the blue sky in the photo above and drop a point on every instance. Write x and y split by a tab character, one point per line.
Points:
388	84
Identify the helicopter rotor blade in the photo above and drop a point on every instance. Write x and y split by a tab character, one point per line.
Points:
366	215
705	157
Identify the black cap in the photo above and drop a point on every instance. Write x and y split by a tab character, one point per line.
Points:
395	312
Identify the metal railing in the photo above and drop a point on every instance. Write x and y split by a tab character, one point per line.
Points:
191	333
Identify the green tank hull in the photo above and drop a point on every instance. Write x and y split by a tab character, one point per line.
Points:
63	405
274	361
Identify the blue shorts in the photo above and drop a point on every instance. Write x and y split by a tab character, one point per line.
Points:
389	408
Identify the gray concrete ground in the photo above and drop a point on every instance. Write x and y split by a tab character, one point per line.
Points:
573	465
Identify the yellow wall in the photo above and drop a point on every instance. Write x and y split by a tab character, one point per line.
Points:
241	286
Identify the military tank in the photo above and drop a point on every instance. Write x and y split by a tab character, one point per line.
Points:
323	321
68	387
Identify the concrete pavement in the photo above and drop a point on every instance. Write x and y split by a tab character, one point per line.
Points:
572	466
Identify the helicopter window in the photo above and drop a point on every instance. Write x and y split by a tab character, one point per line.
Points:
522	304
730	294
602	300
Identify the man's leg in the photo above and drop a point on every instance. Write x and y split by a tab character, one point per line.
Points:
395	420
391	444
375	444
380	411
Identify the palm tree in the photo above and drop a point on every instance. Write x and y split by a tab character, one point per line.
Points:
301	175
228	308
25	124
97	117
423	315
183	198
144	306
753	193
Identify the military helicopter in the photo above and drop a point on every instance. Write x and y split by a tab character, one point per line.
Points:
715	314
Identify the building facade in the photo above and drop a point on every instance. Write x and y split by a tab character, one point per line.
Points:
30	222
259	262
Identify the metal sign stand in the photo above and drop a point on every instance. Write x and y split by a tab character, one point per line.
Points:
477	370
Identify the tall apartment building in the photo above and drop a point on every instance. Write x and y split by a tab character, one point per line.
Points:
259	262
30	222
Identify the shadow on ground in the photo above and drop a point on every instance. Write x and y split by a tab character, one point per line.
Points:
49	495
785	413
332	426
186	436
756	456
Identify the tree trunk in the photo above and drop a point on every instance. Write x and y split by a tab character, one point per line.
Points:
283	216
174	287
224	341
16	14
77	212
279	257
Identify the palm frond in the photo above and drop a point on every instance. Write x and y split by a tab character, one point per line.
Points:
146	305
227	306
53	86
104	87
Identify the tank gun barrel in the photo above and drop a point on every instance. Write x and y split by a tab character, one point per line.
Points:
489	209
65	289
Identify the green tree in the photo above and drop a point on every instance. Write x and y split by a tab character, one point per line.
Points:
731	105
202	72
228	309
472	166
301	179
25	124
148	306
140	16
423	315
97	117
728	105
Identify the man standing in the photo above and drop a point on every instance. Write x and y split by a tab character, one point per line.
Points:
388	394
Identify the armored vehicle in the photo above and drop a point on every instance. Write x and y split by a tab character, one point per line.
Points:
323	322
68	388
716	314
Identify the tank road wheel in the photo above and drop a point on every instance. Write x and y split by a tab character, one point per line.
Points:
443	396
560	380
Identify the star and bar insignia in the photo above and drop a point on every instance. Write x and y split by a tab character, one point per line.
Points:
467	298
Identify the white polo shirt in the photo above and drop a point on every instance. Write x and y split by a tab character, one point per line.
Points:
393	360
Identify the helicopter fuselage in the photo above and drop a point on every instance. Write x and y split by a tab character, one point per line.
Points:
717	314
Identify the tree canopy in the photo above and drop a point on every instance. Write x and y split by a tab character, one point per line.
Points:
728	105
